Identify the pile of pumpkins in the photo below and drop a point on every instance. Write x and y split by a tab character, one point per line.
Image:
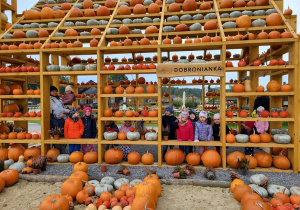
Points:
272	86
109	193
129	90
132	135
77	157
115	156
270	196
129	113
255	138
260	159
12	69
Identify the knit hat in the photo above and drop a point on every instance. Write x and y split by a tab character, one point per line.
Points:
73	111
260	109
87	108
203	114
192	112
53	88
68	88
169	109
216	116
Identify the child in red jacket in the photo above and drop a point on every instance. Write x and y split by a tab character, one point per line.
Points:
74	129
185	132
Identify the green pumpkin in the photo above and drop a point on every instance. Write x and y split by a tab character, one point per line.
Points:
147	20
51	2
147	2
259	13
116	21
271	11
235	14
170	1
53	67
34	25
156	20
63	158
225	15
210	16
79	23
123	3
52	24
8	36
43	25
26	26
78	6
136	31
79	67
95	6
258	23
112	31
168	29
195	27
41	3
186	17
56	8
17	26
103	22
32	34
59	34
137	20
85	33
247	12
229	24
35	8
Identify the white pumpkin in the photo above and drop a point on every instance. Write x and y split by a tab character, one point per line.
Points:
18	166
107	180
110	135
282	138
102	207
135	181
63	158
8	163
295	190
151	136
120	181
241	138
117	208
257	178
93	182
273	189
259	190
133	136
99	189
127	208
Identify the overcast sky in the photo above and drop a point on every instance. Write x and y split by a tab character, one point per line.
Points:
27	4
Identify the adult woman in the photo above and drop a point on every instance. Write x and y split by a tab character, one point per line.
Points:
58	115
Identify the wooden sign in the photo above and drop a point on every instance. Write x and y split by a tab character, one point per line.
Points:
190	69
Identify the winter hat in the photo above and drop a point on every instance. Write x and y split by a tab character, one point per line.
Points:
73	111
68	88
192	112
203	114
87	108
260	109
53	88
169	109
216	116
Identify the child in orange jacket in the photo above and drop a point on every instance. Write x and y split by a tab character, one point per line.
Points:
74	129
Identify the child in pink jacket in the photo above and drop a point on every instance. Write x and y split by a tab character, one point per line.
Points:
185	132
125	148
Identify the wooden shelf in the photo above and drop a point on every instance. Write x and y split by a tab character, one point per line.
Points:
139	142
192	143
85	86
270	119
25	74
249	144
23	40
248	94
261	68
11	97
5	6
62	73
142	95
125	163
20	141
20	118
129	118
87	98
71	141
145	71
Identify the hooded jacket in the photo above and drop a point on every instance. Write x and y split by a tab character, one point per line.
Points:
169	121
73	130
56	103
185	132
68	99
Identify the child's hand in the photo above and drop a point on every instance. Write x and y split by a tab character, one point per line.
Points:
196	140
190	140
179	139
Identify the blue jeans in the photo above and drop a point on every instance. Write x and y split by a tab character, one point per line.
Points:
74	147
186	149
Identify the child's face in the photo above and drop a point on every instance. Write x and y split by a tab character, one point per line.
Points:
127	123
68	92
167	113
202	119
217	121
87	113
76	114
108	122
192	116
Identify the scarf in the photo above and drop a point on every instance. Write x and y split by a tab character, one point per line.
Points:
75	119
55	96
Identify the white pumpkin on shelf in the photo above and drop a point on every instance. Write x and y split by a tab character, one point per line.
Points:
151	136
282	138
133	135
110	134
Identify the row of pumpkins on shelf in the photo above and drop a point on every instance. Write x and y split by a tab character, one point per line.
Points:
128	67
132	135
166	80
12	69
272	86
129	90
22	46
138	58
133	82
19	114
260	159
84	96
76	67
18	34
255	138
129	113
129	42
93	43
255	195
87	83
120	194
264	114
15	89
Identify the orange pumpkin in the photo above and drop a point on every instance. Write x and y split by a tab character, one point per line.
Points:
153	8
273	86
124	10
232	159
139	9
238	88
150	89
174	7
107	90
210	25
274	19
243	21
189	5
47	13
285	88
59	14
252	161
107	112
113	156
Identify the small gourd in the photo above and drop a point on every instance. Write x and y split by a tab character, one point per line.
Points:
8	163
63	158
241	138
247	85
18	165
198	17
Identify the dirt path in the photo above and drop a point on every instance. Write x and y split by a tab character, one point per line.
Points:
28	195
